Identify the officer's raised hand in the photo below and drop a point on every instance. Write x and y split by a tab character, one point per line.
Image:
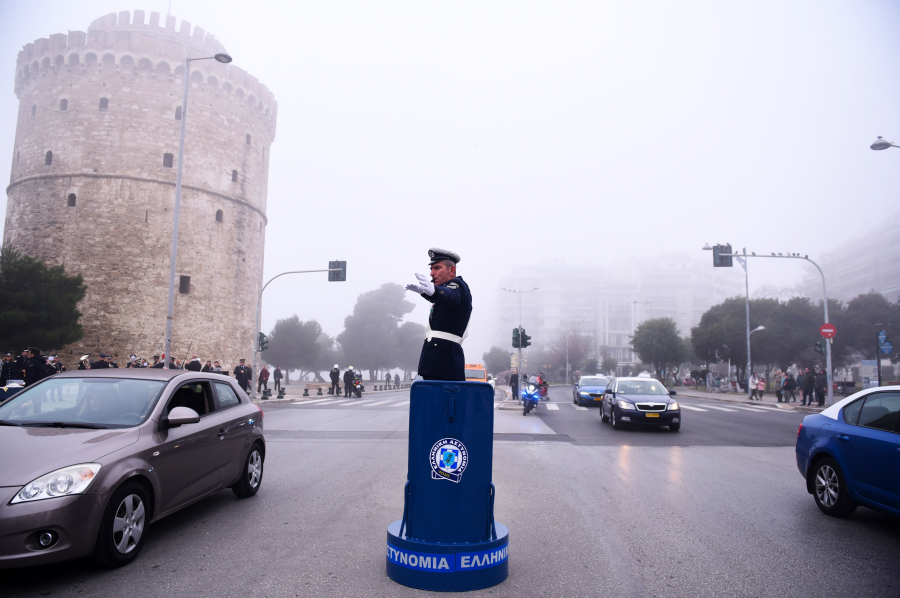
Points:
422	285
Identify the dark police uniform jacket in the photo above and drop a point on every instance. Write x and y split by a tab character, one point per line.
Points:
443	359
243	374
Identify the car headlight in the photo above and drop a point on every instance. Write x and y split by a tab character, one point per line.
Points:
625	405
673	406
583	394
531	388
74	479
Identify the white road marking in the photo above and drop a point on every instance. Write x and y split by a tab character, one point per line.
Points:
401	404
497	405
721	409
689	408
552	407
579	407
312	402
753	409
379	403
356	403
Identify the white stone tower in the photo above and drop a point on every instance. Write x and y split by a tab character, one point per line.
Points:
93	183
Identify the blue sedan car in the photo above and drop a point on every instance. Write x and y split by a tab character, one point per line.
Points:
589	389
850	453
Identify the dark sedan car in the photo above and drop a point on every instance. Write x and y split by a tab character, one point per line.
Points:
91	458
850	453
589	389
639	401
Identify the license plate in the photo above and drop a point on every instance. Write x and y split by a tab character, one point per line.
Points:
652	414
598	398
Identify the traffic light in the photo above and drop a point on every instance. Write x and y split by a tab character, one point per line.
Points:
525	340
820	346
263	342
516	338
337	276
720	261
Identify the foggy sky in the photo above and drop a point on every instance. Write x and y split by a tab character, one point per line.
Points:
518	133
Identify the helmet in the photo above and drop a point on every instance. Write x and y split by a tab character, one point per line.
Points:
351	367
335	366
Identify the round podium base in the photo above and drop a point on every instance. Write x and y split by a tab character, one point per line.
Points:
447	567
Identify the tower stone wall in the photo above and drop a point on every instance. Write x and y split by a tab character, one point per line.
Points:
93	183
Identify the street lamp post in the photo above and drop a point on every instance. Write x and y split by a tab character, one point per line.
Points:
256	330
225	59
742	259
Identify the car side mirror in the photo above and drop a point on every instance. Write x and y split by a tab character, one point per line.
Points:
611	393
576	385
181	415
672	393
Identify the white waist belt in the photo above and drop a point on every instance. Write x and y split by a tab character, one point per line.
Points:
444	335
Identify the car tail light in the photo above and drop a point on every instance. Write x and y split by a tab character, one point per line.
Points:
258	408
798	429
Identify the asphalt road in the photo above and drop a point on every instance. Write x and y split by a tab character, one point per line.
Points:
717	509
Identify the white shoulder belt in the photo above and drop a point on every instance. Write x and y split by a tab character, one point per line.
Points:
446	335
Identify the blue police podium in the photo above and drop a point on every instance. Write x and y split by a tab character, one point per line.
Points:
447	539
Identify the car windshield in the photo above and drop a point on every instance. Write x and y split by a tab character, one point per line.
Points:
83	402
477	374
641	387
593	381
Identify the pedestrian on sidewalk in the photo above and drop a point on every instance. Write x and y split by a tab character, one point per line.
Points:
263	379
779	381
789	385
821	387
277	377
387	378
753	382
397	379
761	386
809	385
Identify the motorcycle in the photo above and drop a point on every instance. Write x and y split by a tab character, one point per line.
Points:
531	396
357	388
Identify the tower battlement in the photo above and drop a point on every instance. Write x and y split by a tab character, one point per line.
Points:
131	47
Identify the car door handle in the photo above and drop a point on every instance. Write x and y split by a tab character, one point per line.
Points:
222	433
841	437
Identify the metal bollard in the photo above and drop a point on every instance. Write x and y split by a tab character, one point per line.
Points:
305	392
319	394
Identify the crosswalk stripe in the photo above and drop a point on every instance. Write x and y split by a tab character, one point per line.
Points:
753	409
356	403
401	404
579	408
497	405
721	408
312	402
552	407
379	403
689	408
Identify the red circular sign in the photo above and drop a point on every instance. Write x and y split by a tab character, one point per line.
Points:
827	330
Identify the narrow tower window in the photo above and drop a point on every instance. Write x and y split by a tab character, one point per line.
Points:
234	176
219	215
248	138
184	284
33	109
48	158
104	103
63	104
167	160
178	113
71	200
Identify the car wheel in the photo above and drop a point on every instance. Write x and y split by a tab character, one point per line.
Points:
830	489
615	422
674	427
122	527
603	416
575	398
251	474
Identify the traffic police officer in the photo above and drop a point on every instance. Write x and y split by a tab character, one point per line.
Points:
244	375
442	354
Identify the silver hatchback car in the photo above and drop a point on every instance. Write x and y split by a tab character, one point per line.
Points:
91	458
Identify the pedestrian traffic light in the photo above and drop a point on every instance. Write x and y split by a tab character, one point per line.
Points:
263	342
516	337
340	276
720	261
820	346
525	340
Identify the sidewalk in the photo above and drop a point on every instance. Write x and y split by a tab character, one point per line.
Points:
730	397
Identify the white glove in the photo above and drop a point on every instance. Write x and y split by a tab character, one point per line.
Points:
422	285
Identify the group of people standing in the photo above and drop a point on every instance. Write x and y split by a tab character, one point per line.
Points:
811	385
30	367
